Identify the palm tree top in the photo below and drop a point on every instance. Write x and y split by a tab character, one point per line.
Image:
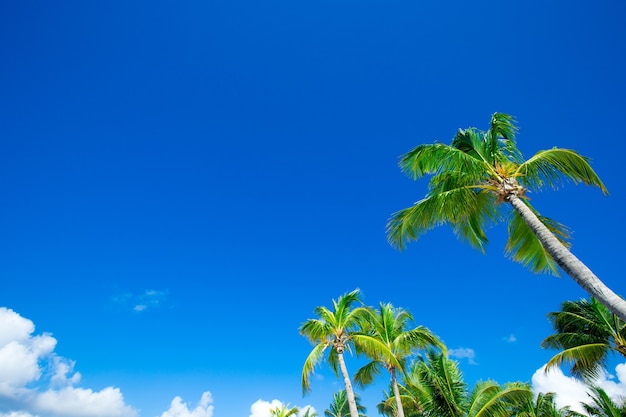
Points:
472	175
493	156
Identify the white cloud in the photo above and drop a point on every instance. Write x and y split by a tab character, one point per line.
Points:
510	338
180	409
81	402
262	408
463	353
34	381
571	392
141	302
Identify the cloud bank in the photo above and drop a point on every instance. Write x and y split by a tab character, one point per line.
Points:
180	409
34	381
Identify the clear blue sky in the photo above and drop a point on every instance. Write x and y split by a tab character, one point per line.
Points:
183	182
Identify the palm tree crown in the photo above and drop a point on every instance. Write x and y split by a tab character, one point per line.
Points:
479	170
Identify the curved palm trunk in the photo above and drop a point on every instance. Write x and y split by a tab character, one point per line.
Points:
572	266
396	392
346	380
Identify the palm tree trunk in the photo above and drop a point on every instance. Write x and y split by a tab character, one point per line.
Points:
396	392
346	380
572	266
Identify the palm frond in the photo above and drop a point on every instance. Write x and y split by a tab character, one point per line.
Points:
473	229
376	349
555	166
315	330
588	360
450	207
501	138
367	374
489	399
311	362
431	159
472	142
333	361
524	247
602	405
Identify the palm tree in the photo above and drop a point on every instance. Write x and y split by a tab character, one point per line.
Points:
391	344
439	387
334	330
586	332
283	411
339	406
480	169
602	405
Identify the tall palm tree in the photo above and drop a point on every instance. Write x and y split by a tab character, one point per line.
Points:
480	169
441	391
339	406
334	330
283	411
586	332
390	344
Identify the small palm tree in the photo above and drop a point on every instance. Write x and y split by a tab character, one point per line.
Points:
334	331
481	169
389	345
586	332
339	406
439	387
283	410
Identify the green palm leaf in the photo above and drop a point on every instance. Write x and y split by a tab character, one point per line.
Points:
554	166
367	374
524	247
454	207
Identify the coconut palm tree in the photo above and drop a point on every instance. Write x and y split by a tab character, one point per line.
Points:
587	333
391	344
334	330
441	391
283	411
339	406
480	169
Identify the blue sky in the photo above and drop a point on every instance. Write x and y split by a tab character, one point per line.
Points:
184	182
